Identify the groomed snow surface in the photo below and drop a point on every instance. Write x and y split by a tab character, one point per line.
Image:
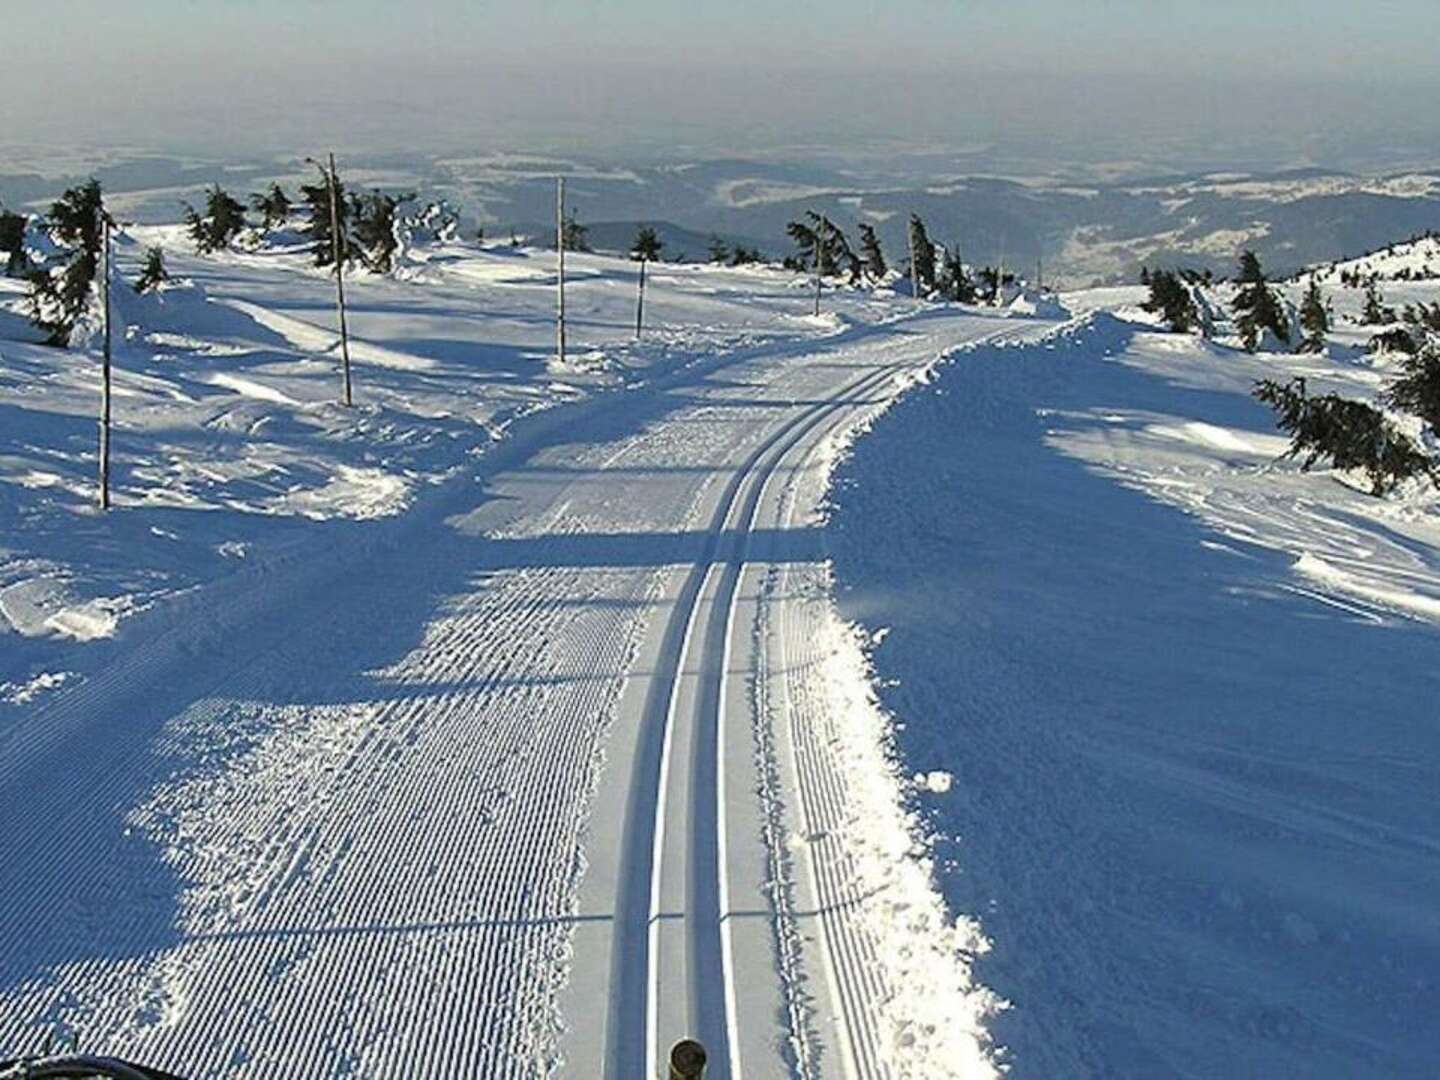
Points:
498	726
529	717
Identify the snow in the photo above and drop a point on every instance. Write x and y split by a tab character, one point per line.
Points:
1183	692
911	691
362	711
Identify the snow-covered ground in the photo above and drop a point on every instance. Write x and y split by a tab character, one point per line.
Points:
396	741
1183	695
507	724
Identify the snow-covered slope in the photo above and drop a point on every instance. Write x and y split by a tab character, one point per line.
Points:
1414	260
1186	696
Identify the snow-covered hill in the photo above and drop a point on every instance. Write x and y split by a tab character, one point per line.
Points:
506	724
1185	693
1413	260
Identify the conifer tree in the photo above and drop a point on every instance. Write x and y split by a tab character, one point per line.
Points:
923	272
870	253
742	255
1170	298
12	243
1375	313
1351	434
223	220
153	274
316	198
576	235
374	228
1314	319
59	295
955	283
835	253
273	206
1256	306
1417	390
645	249
717	251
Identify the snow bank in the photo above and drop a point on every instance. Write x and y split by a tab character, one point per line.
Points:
1181	691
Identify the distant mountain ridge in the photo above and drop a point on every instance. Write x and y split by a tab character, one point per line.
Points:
1082	231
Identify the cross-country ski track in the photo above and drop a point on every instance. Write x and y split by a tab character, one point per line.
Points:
543	781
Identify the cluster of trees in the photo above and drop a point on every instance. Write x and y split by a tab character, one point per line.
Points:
1256	307
723	254
1327	427
935	270
367	221
1353	434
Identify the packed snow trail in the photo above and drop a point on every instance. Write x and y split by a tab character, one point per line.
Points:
423	817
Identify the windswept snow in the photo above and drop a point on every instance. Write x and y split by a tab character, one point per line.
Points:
911	691
1185	693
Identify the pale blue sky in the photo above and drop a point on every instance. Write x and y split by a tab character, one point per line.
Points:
283	70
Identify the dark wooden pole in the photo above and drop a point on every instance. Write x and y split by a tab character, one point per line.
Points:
560	268
333	182
105	367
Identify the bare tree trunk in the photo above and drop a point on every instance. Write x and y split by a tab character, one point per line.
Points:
335	254
560	246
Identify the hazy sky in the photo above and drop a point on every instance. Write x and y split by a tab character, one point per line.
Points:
1111	75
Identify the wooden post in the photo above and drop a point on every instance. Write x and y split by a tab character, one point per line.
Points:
333	182
640	303
687	1060
560	248
105	367
819	262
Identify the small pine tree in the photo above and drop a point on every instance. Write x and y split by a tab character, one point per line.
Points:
1351	434
273	206
646	248
60	295
576	235
1171	299
1256	306
743	256
647	245
1375	313
1417	390
12	243
717	251
223	220
1314	319
871	256
923	272
834	249
374	219
955	283
1396	339
316	198
153	273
